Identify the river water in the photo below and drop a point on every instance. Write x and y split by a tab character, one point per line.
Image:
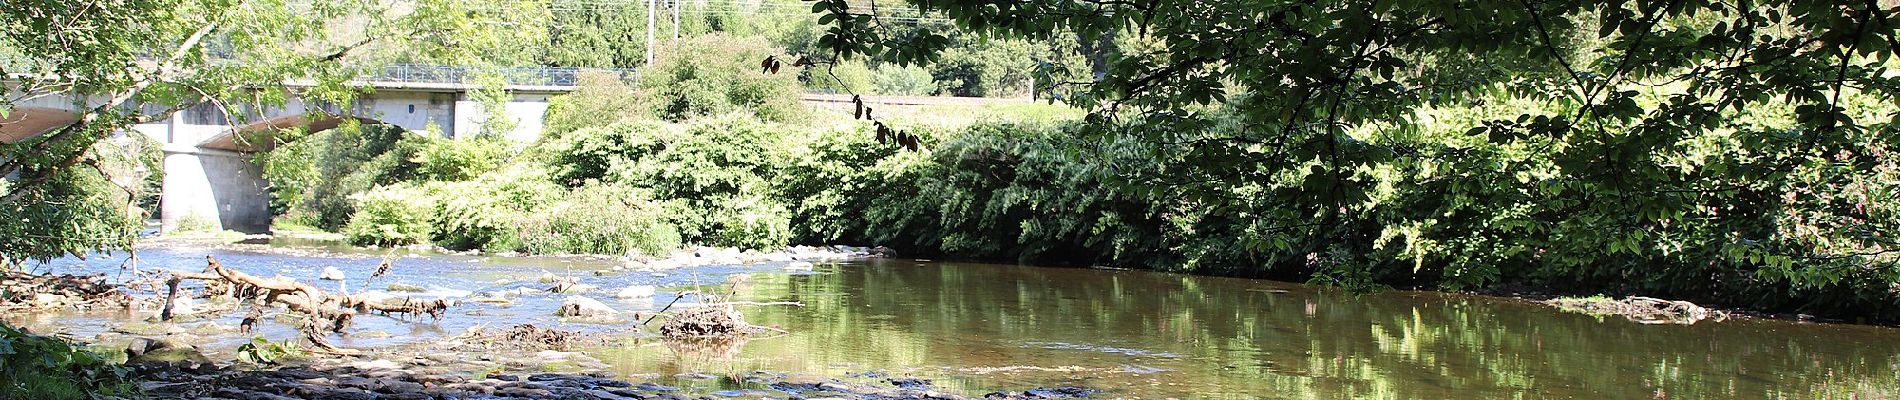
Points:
976	328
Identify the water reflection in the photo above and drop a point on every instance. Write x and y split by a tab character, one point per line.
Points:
975	328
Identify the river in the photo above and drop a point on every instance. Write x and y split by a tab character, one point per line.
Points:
974	328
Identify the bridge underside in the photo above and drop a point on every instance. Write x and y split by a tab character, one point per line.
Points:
26	122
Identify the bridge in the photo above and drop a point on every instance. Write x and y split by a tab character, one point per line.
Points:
209	175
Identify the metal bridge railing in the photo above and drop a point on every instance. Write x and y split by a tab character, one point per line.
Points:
516	76
424	73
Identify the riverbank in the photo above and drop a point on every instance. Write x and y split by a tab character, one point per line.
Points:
973	329
503	364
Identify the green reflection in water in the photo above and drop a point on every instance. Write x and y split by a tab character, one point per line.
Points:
975	328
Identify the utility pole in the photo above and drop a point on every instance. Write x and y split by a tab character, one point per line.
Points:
650	9
676	17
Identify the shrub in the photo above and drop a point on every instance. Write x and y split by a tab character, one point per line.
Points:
587	154
894	80
849	76
993	68
461	159
473	214
719	74
598	99
312	176
594	219
392	215
44	367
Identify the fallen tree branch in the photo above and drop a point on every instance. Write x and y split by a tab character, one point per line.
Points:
324	312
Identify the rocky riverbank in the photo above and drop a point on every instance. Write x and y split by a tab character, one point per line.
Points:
521	362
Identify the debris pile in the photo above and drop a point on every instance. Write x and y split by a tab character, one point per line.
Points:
323	312
1644	310
24	291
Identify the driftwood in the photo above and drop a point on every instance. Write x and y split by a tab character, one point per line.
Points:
21	291
323	312
1643	310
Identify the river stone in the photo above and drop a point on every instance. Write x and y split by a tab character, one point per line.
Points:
48	299
579	306
798	266
330	274
148	329
377	364
404	287
636	292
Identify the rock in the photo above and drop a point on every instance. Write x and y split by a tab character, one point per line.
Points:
798	266
578	306
141	346
48	299
549	277
395	386
170	355
330	274
404	287
377	364
636	292
518	391
148	329
569	286
654	387
212	328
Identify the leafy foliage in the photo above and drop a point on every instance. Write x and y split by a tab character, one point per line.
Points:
261	351
391	216
1365	144
43	367
718	74
79	211
314	176
460	160
712	173
139	61
594	219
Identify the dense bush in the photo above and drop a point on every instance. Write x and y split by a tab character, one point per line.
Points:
597	100
719	74
44	367
593	219
1018	192
849	76
460	160
894	80
713	173
479	213
392	215
313	176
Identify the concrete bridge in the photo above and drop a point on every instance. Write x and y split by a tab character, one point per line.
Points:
209	176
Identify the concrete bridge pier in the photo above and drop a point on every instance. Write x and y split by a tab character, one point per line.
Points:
208	188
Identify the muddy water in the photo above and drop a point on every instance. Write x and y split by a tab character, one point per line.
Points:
973	328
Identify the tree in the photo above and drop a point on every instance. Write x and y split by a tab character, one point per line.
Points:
1679	140
135	61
